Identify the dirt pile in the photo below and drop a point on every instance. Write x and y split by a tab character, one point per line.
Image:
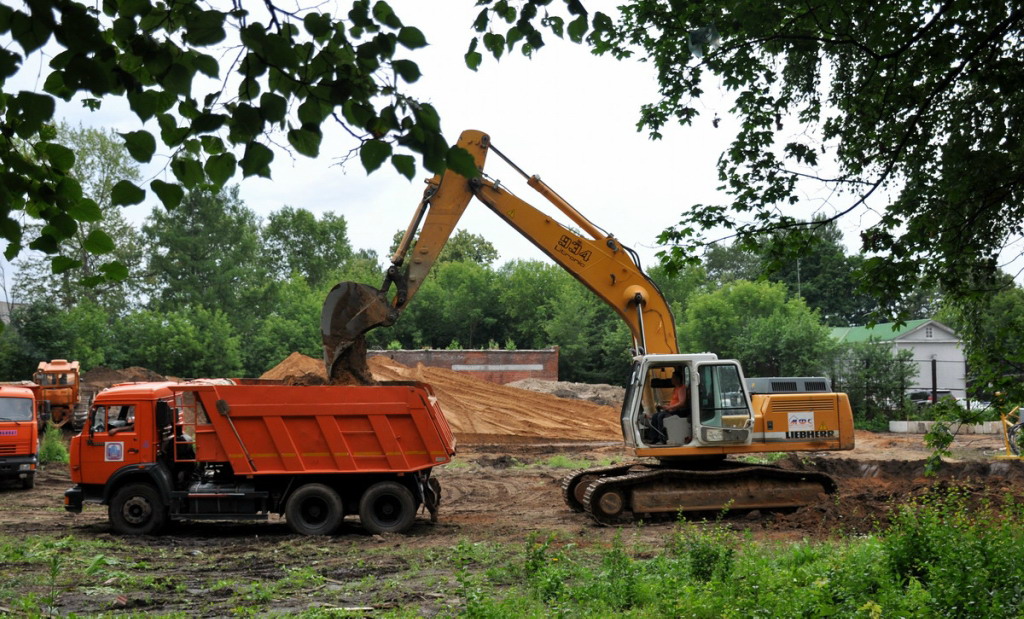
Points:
101	377
297	367
605	395
479	411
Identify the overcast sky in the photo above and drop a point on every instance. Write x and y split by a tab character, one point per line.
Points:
566	115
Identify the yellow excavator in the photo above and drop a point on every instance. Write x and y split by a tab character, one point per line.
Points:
724	413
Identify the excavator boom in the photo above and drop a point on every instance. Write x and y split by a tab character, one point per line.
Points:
609	269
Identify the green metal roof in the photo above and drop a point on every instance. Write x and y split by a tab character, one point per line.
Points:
882	332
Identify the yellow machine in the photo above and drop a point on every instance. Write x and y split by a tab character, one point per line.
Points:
726	414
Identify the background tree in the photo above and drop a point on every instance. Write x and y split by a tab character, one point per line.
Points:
756	322
102	242
875	377
207	253
819	270
993	328
910	108
298	243
461	246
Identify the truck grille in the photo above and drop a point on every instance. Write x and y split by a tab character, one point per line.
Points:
8	449
786	405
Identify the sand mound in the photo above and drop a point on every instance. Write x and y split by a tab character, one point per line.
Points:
296	366
101	377
479	411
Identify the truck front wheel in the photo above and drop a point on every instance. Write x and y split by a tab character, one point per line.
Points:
137	509
314	509
387	507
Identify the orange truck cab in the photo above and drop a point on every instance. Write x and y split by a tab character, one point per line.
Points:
228	449
19	435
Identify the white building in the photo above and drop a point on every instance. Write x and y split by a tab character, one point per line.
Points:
936	349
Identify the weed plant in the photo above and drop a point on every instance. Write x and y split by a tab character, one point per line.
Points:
938	558
52	447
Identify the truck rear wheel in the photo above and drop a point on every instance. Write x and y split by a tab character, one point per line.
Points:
387	507
314	509
137	509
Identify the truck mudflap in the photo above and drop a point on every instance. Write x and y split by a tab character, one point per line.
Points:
431	490
74	498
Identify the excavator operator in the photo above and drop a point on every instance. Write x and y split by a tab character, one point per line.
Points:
677	405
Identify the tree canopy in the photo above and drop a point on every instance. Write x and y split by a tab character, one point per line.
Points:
910	109
221	85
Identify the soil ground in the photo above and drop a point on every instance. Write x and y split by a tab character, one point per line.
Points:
493	494
501	491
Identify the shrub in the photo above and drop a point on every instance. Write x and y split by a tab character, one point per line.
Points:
52	448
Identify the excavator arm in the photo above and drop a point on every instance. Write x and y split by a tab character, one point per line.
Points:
597	259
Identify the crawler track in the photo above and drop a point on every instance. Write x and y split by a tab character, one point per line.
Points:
615	495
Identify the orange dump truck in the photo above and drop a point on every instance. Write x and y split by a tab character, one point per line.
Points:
19	435
243	449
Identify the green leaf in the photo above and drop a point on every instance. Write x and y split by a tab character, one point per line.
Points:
407	70
170	194
35	110
495	43
140	144
577	28
473	60
60	264
178	79
98	242
220	168
204	28
273	107
373	153
86	210
60	156
460	161
30	32
126	193
207	123
317	24
188	172
115	271
144	104
305	142
256	160
405	164
411	38
207	65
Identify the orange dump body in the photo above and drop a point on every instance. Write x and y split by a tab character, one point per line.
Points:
272	429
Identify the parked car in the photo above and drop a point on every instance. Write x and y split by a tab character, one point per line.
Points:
924	398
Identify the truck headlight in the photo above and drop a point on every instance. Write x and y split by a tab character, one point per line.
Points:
25	467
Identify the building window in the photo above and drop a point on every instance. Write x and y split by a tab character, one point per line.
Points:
928	332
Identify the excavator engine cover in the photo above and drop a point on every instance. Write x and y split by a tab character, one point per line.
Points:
349	311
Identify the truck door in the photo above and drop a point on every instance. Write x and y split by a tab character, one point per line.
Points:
111	443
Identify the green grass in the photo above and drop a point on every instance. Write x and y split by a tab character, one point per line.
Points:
939	557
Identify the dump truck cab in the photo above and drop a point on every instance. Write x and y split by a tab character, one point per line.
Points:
19	435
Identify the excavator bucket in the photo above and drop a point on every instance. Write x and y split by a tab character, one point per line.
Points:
349	311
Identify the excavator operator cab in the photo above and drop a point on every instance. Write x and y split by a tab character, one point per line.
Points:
717	407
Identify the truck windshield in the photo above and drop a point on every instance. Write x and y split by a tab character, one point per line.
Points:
15	409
